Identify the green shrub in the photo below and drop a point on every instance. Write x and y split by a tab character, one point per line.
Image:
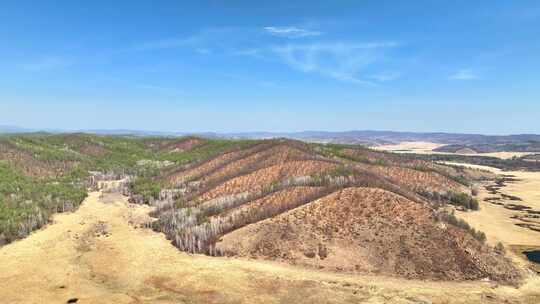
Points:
464	200
146	187
454	198
499	248
451	219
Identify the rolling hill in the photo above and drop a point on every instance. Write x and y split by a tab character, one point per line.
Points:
340	208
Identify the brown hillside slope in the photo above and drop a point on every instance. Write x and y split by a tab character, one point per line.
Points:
415	179
274	155
257	180
370	230
198	170
174	145
271	200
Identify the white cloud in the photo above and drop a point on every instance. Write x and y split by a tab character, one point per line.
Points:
46	64
290	31
341	61
464	74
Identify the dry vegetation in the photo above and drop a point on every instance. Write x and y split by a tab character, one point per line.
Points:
370	230
337	208
99	254
225	196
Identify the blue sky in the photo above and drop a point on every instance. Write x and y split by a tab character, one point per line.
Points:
226	66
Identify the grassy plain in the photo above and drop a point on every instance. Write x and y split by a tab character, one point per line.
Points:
422	147
498	222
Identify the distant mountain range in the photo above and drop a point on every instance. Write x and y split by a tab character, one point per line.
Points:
380	137
477	142
452	141
13	129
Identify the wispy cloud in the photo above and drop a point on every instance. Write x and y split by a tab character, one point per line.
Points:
46	64
249	79
385	76
161	89
341	61
464	74
290	31
204	40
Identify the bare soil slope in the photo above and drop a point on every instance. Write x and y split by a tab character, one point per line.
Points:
370	230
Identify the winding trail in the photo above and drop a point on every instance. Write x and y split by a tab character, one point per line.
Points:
99	254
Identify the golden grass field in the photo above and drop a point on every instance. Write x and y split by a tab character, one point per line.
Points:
423	147
410	146
98	255
497	222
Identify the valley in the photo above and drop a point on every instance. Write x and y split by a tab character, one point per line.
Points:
421	147
510	209
194	220
99	254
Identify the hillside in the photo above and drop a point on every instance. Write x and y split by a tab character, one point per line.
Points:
298	197
368	230
334	207
41	174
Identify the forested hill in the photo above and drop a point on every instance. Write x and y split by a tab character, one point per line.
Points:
41	174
